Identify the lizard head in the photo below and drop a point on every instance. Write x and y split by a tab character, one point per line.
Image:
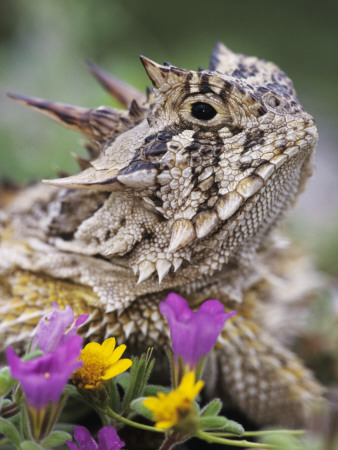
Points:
196	171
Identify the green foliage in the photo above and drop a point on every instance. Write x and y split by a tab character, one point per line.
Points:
212	408
30	445
6	381
137	405
9	430
56	438
139	375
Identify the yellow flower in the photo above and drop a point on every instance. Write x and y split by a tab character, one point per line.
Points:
100	362
169	409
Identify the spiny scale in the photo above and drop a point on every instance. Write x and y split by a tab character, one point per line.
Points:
122	92
73	117
176	197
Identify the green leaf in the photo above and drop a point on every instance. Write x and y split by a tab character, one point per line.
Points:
70	389
133	376
212	408
30	445
281	442
149	367
234	428
212	422
152	389
220	423
6	445
139	374
200	368
137	405
24	423
123	380
114	396
56	438
9	430
32	355
6	381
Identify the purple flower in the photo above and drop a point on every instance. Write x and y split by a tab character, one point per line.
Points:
51	329
108	439
43	379
193	334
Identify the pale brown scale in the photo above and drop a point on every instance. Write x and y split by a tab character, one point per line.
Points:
181	192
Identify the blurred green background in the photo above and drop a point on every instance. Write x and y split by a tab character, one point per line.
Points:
44	45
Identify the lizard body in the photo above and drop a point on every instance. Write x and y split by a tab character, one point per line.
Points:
182	192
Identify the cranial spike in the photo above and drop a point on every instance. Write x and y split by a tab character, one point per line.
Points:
182	233
205	222
158	74
92	123
136	111
146	268
121	91
73	117
101	180
162	267
219	56
150	95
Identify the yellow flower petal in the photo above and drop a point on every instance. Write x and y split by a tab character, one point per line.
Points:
165	424
117	353
117	368
151	402
108	346
169	409
92	347
198	387
100	362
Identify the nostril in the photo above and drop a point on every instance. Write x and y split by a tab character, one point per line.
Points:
272	101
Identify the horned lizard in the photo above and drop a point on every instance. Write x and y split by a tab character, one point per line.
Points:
182	192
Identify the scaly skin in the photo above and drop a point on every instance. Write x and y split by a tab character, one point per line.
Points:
182	192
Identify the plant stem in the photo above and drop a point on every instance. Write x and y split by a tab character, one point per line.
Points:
171	440
218	440
9	410
261	433
109	412
264	432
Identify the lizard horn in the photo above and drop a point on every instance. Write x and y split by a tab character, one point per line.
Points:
95	123
90	178
163	77
158	74
136	175
219	57
121	91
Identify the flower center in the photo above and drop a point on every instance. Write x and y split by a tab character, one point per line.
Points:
94	367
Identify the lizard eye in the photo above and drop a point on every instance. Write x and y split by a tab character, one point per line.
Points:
203	111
